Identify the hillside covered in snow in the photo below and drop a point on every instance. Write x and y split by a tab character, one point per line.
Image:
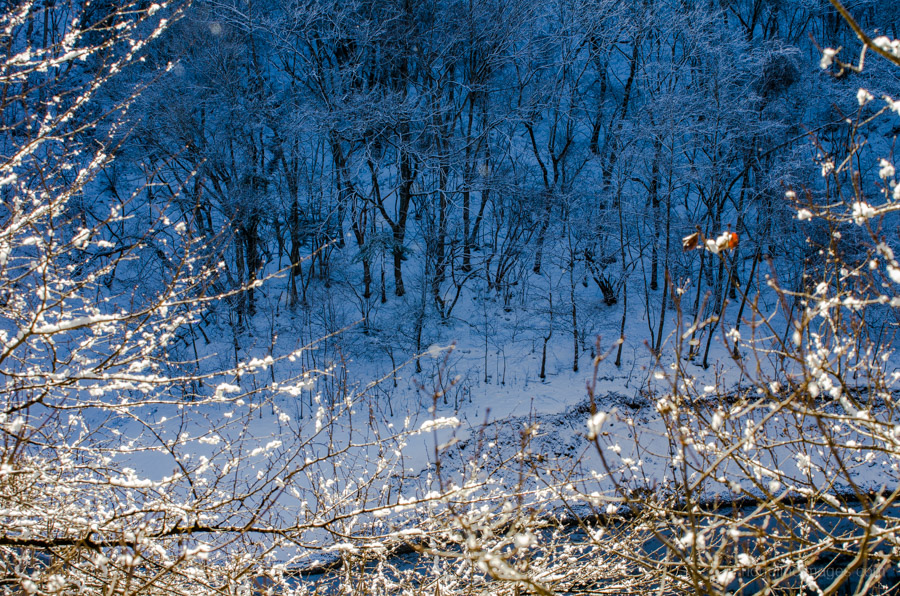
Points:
449	297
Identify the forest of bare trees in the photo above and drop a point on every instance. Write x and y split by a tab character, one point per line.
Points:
240	242
428	153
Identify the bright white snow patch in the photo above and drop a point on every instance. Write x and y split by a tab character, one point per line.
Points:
861	212
595	423
864	97
435	351
448	422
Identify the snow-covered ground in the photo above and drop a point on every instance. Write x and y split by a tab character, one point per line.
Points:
477	408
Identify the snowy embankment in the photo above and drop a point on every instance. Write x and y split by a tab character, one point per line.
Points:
398	456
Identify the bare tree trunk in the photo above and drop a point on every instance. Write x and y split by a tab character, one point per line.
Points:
440	242
624	282
654	203
359	232
574	315
547	337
